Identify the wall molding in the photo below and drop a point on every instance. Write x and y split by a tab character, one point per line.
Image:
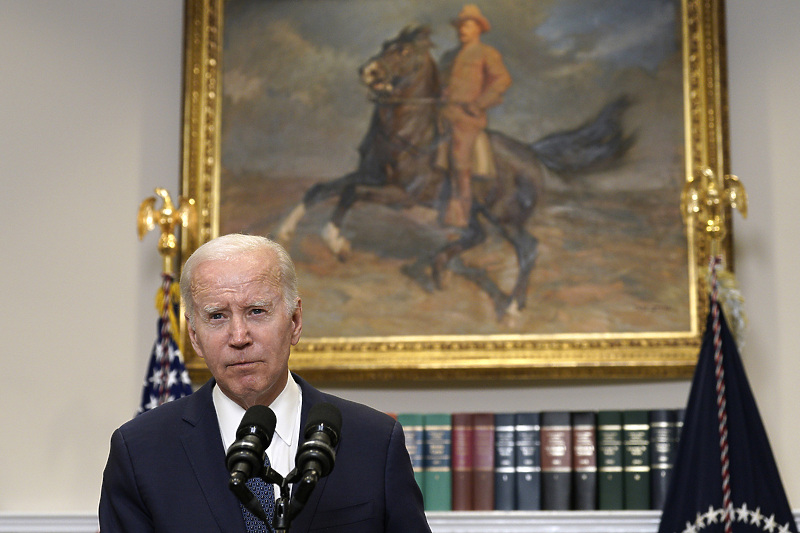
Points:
441	522
48	523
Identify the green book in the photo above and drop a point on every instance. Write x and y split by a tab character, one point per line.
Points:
636	458
436	457
413	426
610	488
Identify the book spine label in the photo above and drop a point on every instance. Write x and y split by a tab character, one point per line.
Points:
636	459
528	468
584	459
610	490
436	463
505	479
556	435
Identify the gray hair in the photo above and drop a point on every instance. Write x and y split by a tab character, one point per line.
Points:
233	244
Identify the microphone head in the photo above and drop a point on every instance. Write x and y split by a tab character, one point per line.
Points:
245	457
259	418
324	417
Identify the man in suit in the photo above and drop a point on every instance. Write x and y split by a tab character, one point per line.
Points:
166	470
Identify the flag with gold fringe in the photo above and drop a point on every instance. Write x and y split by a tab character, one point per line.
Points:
725	477
167	378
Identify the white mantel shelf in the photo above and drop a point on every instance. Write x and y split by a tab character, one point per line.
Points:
441	522
545	522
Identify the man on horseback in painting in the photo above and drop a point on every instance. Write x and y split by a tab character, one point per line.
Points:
475	80
399	165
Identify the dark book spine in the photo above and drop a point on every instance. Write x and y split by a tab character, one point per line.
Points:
463	461
436	462
636	459
662	453
584	460
610	488
528	461
556	434
483	462
505	477
414	433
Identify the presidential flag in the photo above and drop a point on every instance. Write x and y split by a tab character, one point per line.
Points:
725	477
167	378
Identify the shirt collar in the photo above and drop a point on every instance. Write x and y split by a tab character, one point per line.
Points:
286	408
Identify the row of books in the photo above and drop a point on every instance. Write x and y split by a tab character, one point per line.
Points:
548	460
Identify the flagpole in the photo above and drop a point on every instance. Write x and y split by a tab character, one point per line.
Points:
167	377
706	198
743	491
722	415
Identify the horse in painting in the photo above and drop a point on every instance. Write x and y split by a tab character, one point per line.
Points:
398	167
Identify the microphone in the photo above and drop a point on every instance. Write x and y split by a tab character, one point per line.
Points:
245	457
316	456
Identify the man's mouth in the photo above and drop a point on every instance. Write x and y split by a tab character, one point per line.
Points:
243	364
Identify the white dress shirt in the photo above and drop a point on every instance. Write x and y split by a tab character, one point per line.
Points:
283	448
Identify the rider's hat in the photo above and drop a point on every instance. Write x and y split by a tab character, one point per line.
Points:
471	12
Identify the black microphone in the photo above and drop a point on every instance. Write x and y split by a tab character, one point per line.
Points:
245	457
316	456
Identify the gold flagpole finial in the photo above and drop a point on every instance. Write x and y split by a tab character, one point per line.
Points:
167	219
707	197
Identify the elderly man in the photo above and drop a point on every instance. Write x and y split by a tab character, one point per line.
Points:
475	80
167	472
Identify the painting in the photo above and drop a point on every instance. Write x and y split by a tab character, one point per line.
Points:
322	124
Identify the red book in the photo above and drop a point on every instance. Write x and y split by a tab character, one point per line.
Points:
483	462
463	456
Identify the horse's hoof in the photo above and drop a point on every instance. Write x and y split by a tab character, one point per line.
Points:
440	273
336	243
286	231
283	236
511	315
345	251
416	272
513	309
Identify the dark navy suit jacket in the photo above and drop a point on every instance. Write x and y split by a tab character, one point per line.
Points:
166	473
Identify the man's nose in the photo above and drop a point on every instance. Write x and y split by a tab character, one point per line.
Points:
240	333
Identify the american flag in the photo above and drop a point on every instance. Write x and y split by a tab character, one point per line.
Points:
167	378
725	477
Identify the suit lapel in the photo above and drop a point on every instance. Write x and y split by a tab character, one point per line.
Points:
311	396
204	449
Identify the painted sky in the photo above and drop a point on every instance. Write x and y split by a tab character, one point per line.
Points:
293	104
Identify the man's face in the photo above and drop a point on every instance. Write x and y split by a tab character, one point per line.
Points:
242	327
469	31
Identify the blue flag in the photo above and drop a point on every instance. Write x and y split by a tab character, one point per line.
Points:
167	378
707	481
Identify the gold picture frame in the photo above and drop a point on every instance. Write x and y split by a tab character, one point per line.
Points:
516	355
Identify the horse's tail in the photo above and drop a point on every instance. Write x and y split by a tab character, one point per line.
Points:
599	141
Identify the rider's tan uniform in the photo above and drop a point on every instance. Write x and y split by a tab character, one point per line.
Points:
475	82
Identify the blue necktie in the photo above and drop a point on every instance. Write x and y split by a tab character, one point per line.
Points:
265	492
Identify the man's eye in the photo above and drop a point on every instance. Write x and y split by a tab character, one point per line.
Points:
258	311
215	316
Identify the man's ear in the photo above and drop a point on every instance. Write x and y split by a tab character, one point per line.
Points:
297	319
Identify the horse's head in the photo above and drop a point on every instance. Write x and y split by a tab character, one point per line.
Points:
399	61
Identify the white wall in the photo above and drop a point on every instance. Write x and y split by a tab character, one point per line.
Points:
90	100
90	97
764	77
